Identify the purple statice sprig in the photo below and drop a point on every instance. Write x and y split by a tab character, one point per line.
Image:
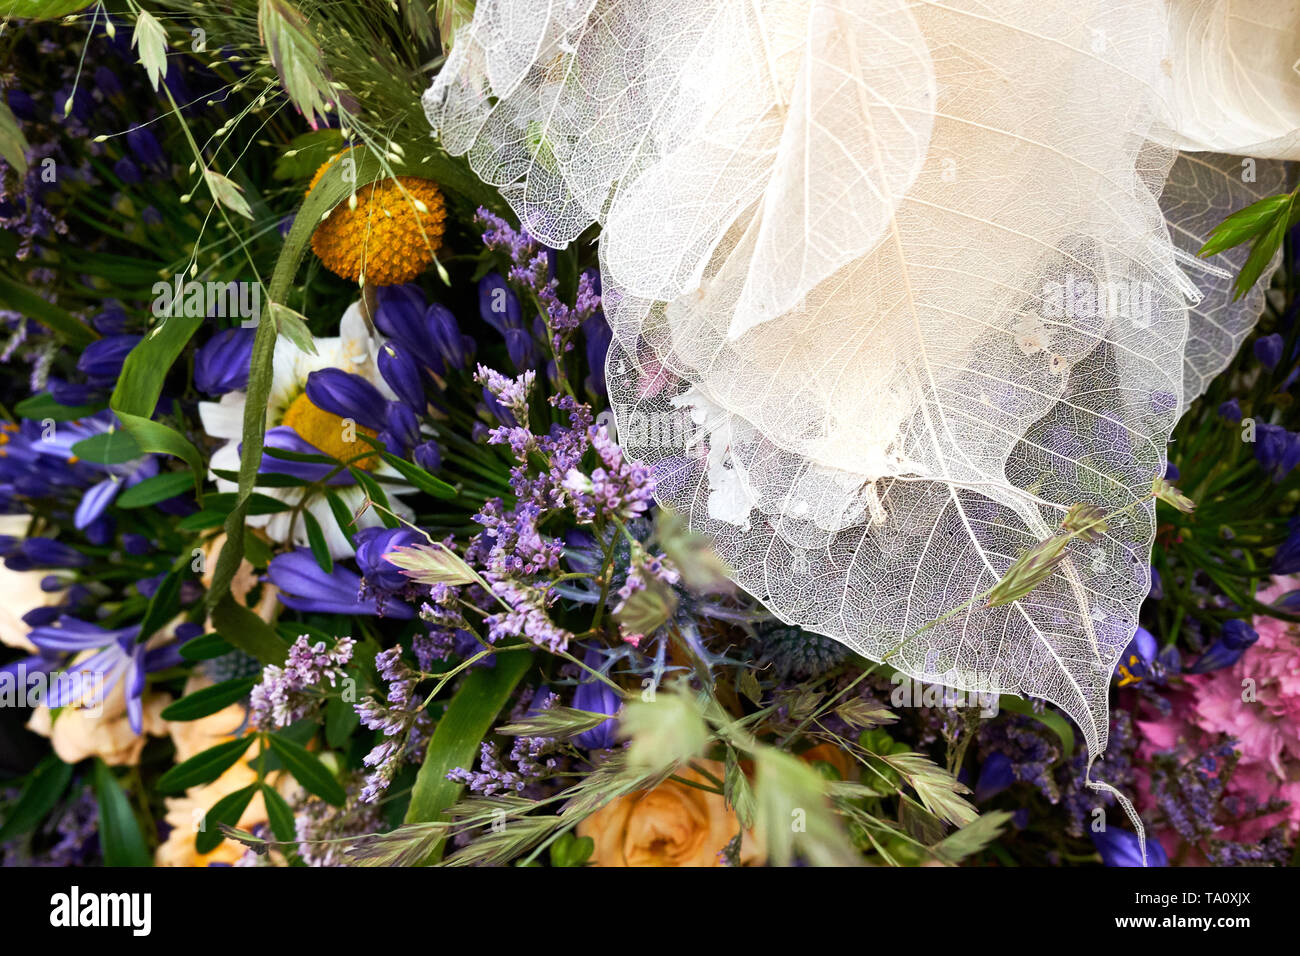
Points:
401	718
288	694
531	272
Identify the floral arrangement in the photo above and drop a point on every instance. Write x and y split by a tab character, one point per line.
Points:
322	546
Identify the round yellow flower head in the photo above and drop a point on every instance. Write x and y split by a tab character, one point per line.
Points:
390	237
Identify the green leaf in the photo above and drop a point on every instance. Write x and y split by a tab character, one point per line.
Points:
376	494
63	323
136	395
1244	224
205	767
420	478
307	153
43	406
107	448
296	57
155	489
209	700
293	326
455	742
316	538
1261	254
44	787
205	647
248	632
342	516
164	604
279	815
119	831
13	144
43	9
308	770
340	720
226	810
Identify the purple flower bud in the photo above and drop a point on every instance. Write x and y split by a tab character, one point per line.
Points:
48	553
1157	591
1121	848
372	544
305	587
1236	636
403	429
400	370
522	349
428	456
349	396
400	316
127	171
445	333
1231	410
101	362
222	364
996	774
145	147
497	303
1277	450
1268	349
599	698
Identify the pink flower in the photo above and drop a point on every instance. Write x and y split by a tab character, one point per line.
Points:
1257	703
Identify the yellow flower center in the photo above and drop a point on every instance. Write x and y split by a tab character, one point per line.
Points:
334	436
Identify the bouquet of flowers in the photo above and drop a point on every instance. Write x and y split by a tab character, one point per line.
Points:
437	434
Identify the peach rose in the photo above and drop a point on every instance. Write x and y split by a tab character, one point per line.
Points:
671	825
184	814
77	734
20	592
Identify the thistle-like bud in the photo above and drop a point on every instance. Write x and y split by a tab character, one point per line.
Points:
1031	569
1162	489
1084	521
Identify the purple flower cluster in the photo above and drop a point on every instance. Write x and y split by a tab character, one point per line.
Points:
402	719
290	693
533	271
618	488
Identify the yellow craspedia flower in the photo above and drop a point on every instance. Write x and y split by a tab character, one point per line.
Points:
390	237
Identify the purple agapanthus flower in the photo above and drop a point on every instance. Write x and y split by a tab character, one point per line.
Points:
304	586
119	655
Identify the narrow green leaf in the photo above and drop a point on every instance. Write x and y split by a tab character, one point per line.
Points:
44	787
209	700
205	767
165	603
316	539
279	815
376	494
1243	224
340	720
332	188
420	478
248	632
43	406
155	489
226	810
119	831
455	743
61	322
308	770
205	647
13	144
